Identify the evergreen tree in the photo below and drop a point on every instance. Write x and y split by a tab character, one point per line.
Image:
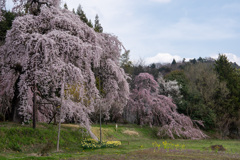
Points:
6	24
83	16
153	66
193	61
230	75
97	25
125	63
200	59
65	6
228	111
2	7
184	59
174	62
90	23
124	59
224	68
73	11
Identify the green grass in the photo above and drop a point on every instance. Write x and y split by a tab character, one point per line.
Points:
18	138
147	136
23	142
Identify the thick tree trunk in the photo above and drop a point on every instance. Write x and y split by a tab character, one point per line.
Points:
54	120
91	134
15	104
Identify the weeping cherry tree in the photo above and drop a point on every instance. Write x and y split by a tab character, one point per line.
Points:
154	109
47	43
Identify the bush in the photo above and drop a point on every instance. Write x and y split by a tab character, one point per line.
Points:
93	144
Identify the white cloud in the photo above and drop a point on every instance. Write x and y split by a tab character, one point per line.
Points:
163	58
231	57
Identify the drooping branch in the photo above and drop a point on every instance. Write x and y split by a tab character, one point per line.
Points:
56	39
154	109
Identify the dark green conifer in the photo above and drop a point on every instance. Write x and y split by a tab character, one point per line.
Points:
174	62
83	16
65	6
6	24
90	23
97	25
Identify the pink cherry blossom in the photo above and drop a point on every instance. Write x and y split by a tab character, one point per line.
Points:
153	109
42	47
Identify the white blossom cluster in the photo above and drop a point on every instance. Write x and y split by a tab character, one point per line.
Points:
170	88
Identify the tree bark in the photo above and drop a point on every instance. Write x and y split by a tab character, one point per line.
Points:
15	104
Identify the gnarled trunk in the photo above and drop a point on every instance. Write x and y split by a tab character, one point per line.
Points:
15	104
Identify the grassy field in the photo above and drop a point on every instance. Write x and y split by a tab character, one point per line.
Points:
22	142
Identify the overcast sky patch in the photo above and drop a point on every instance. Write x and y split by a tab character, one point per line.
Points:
180	27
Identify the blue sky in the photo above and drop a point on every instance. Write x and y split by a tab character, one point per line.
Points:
160	30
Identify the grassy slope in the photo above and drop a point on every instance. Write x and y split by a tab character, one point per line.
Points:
22	141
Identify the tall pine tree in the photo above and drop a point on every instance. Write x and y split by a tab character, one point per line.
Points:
231	106
82	15
97	25
229	74
6	24
65	6
125	62
73	11
90	23
174	62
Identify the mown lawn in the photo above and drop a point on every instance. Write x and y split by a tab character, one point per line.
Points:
22	142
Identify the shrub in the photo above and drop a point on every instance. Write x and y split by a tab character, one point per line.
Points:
93	144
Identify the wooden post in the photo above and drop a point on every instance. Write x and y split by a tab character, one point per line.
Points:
100	125
34	98
59	124
100	111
